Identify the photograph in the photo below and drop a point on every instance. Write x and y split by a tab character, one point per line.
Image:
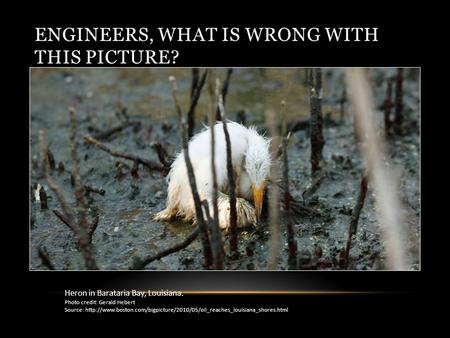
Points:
306	168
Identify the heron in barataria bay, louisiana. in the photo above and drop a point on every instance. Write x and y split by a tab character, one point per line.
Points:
251	165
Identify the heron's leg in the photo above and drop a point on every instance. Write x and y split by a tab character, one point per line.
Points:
167	214
173	201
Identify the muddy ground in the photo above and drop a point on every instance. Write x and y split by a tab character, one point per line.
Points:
126	228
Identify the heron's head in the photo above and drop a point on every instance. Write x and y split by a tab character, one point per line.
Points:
257	165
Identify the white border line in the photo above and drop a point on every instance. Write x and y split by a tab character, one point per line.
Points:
253	67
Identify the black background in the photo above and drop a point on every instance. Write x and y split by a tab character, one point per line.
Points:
402	43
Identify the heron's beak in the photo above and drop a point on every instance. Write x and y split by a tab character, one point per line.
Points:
258	194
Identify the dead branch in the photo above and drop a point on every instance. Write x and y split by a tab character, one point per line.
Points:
313	187
342	102
152	165
231	183
292	244
224	91
274	198
93	227
226	84
135	170
89	188
43	198
83	225
51	159
304	123
316	121
387	107
195	95
241	117
383	182
398	120
194	81
120	167
79	187
140	264
107	134
45	259
190	171
191	115
353	227
79	224
61	167
52	185
299	123
122	112
162	154
216	239
205	207
63	219
301	210
280	147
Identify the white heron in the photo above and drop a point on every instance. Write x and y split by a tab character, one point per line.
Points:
251	164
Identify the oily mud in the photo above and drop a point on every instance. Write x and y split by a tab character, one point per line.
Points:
105	98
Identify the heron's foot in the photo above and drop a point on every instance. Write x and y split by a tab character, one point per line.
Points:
165	215
246	215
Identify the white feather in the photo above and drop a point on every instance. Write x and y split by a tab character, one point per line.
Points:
251	163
